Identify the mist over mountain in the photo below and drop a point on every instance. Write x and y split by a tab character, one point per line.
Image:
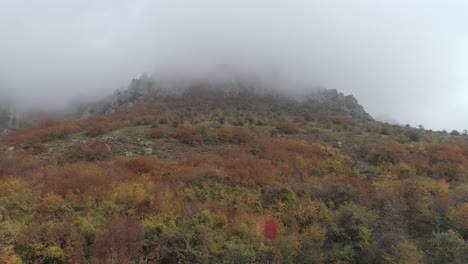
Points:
314	100
403	59
260	131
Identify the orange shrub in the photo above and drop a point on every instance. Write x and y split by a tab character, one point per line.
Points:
287	127
20	137
84	177
234	135
448	161
280	150
246	169
445	152
187	134
39	148
47	130
19	164
53	130
389	151
140	164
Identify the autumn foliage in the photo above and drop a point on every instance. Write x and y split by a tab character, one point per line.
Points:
187	134
271	228
287	127
225	184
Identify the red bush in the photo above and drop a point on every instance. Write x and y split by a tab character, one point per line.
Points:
271	228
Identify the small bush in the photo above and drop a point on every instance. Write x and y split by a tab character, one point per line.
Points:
248	170
144	120
96	150
119	240
166	118
156	133
102	125
140	164
234	135
287	127
187	134
271	228
53	130
39	148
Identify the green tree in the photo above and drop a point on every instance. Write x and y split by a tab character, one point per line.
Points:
350	233
447	247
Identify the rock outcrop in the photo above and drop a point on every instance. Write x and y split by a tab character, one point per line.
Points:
319	101
333	102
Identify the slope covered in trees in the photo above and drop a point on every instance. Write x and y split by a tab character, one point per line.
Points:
202	177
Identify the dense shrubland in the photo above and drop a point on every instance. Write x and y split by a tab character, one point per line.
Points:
270	188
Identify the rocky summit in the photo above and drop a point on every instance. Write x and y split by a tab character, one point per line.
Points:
317	101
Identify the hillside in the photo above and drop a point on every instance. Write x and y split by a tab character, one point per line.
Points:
227	173
253	96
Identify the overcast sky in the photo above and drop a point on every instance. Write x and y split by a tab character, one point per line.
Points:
407	60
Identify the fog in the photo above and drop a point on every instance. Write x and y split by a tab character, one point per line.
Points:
403	60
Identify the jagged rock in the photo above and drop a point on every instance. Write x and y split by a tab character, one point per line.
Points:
320	101
332	102
148	151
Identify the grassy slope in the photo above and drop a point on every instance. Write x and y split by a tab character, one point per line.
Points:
221	170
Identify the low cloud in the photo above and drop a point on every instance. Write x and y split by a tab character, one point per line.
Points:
403	59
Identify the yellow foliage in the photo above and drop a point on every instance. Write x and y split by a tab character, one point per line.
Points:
461	214
8	256
436	188
131	193
317	233
54	252
406	252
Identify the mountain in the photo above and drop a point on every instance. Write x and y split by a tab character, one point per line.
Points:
230	172
318	101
